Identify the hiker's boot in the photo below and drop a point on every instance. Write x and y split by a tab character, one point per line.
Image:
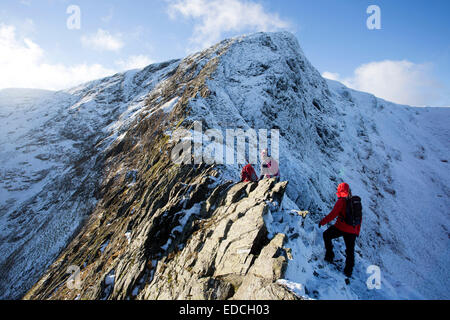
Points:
348	272
329	257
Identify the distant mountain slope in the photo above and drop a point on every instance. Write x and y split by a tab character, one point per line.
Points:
51	162
101	151
18	97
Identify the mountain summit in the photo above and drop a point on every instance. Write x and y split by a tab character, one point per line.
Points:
88	183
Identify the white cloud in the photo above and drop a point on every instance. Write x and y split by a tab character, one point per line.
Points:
23	65
401	82
214	17
134	62
102	40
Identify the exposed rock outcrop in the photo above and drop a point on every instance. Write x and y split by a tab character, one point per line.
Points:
209	241
230	255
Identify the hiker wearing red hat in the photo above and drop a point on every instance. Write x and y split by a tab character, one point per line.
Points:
248	174
348	211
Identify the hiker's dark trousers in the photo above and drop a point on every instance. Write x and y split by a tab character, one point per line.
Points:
349	239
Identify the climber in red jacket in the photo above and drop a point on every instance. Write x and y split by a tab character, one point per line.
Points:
341	229
248	174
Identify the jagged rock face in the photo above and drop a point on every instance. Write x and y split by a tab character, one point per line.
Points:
147	211
229	256
209	241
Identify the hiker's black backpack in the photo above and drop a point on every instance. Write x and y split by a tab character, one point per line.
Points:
353	211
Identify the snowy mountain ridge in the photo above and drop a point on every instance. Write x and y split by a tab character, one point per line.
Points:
53	160
51	150
329	134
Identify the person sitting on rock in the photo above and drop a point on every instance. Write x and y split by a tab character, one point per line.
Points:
269	166
248	174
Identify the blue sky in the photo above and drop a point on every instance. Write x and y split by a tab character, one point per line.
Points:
406	61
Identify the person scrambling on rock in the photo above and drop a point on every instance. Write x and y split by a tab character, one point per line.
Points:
348	211
269	166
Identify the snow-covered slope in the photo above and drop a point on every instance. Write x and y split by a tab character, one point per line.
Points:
395	157
16	97
400	169
51	148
